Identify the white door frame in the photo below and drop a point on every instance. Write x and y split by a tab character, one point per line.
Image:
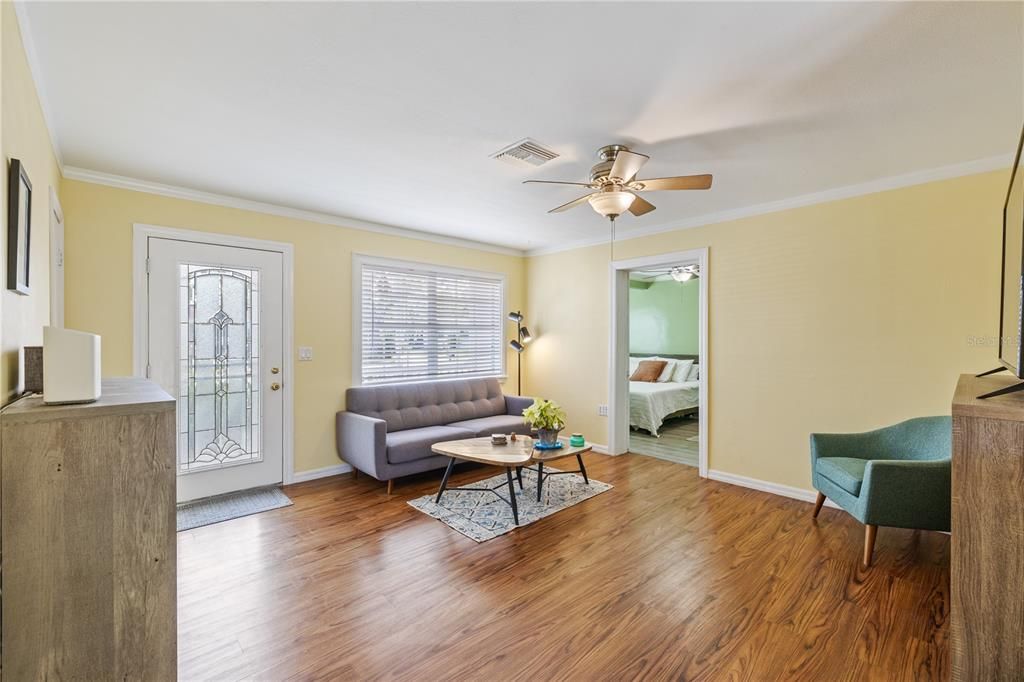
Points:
618	390
56	261
140	300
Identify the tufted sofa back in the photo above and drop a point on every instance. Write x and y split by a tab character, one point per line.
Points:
432	403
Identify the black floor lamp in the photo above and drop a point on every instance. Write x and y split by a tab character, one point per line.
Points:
518	344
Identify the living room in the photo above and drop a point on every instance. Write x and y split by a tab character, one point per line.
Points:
376	181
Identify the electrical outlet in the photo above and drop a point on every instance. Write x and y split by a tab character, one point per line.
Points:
305	353
602	410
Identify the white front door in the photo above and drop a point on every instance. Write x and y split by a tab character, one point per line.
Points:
215	343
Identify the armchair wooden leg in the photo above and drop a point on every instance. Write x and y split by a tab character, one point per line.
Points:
355	474
870	531
817	503
391	485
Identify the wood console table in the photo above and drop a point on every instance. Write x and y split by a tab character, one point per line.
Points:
987	560
88	536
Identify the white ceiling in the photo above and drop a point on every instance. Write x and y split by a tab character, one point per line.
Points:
388	112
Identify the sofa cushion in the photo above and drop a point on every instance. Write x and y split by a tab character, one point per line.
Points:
412	444
500	423
845	472
431	403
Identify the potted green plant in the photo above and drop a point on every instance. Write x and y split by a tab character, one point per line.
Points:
547	417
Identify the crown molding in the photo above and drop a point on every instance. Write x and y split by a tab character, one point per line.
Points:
176	192
31	56
984	165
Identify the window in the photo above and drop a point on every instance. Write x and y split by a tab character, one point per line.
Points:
419	322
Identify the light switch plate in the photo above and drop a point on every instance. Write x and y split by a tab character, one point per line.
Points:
305	353
602	410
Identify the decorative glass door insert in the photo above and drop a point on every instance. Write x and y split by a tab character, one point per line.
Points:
219	405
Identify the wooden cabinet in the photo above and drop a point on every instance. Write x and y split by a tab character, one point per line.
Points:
88	536
987	560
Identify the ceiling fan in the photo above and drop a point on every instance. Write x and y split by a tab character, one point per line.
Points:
680	273
616	188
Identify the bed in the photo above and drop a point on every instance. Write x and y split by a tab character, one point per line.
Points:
651	403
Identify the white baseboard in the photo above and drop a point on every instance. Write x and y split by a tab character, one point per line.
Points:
767	487
599	448
323	472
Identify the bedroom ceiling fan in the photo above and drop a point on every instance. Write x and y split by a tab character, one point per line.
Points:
680	273
616	187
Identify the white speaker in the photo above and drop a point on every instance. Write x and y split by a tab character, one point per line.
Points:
71	366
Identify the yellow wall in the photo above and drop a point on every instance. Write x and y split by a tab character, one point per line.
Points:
24	136
98	285
836	317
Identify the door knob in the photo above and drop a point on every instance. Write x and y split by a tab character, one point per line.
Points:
275	386
274	370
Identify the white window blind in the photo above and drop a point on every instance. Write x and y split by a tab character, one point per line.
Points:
419	324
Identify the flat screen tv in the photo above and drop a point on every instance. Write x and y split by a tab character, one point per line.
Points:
1011	308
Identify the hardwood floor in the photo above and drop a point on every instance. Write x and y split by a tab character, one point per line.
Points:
665	576
673	442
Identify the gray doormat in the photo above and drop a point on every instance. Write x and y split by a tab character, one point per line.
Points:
482	516
231	506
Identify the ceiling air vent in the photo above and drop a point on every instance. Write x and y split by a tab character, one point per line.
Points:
525	151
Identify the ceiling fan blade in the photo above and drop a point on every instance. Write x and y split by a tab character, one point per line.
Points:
640	206
554	182
626	165
678	182
571	204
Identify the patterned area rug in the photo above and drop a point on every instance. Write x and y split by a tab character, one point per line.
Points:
231	506
483	516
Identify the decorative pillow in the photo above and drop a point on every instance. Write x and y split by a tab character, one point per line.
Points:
633	364
648	370
694	374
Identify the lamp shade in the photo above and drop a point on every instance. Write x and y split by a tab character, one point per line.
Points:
524	335
516	346
612	203
515	316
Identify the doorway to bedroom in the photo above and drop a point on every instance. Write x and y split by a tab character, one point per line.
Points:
664	405
659	370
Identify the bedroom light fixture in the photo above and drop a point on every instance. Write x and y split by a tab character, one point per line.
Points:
683	273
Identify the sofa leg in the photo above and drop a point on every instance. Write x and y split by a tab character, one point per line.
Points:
817	503
870	530
391	485
355	474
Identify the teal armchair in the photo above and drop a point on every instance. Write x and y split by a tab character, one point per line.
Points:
895	476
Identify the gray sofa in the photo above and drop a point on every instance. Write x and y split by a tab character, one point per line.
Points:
386	431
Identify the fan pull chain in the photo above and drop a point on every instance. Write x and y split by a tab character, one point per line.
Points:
611	245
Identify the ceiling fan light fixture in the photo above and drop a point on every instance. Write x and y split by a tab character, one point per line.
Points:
683	273
613	203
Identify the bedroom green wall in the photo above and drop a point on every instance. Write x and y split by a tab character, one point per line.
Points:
663	318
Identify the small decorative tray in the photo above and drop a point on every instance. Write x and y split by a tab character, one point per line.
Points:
543	446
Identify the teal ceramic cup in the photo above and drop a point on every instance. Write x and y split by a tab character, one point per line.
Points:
576	440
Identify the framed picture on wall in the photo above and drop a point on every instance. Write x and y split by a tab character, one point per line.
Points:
19	227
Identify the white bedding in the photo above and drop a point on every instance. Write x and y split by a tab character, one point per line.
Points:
650	403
